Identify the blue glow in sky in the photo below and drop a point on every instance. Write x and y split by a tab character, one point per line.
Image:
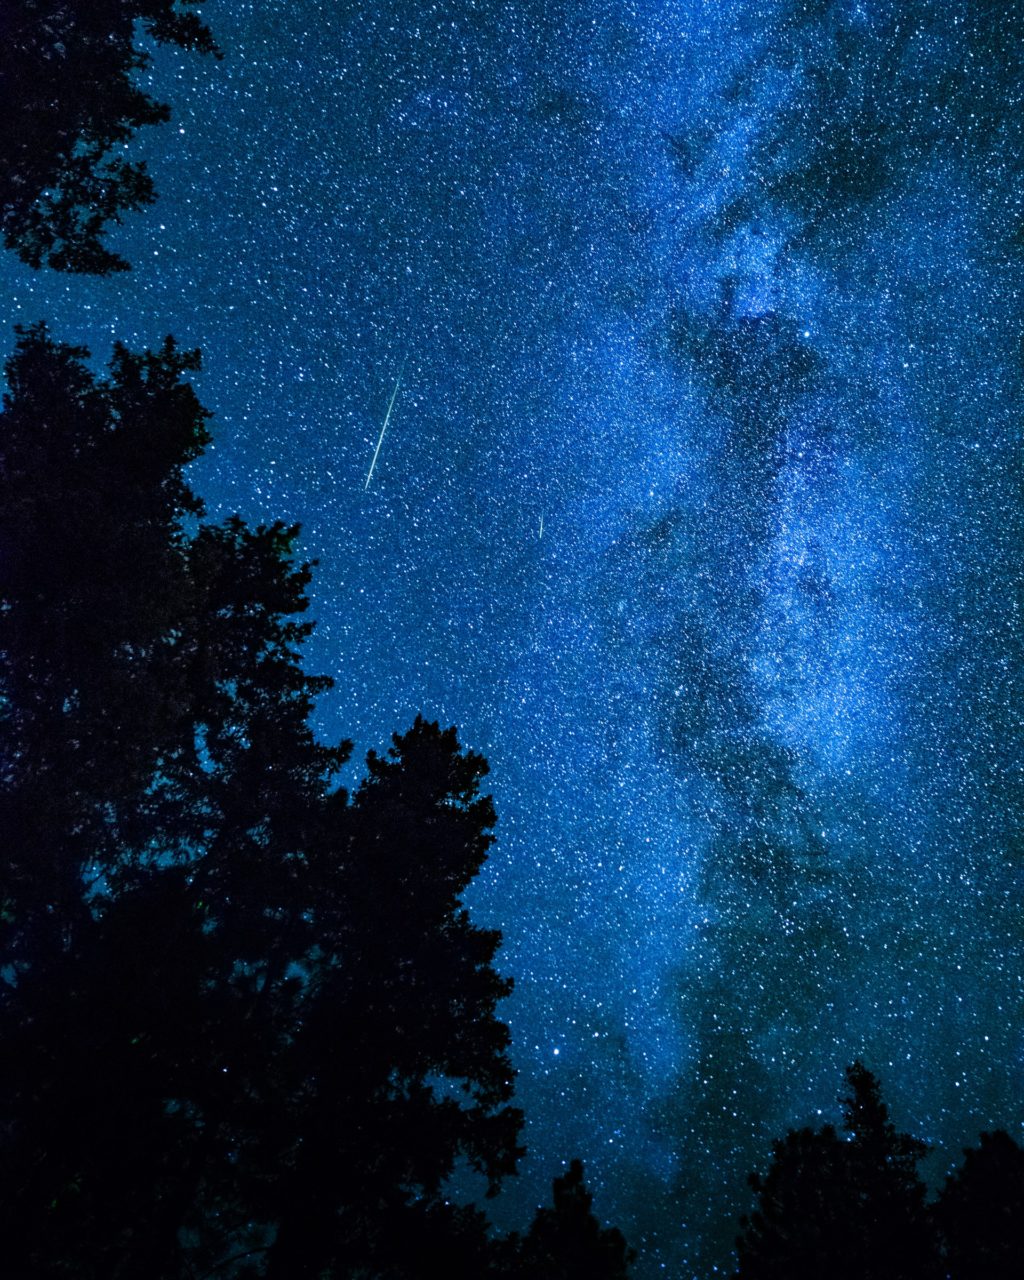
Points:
728	296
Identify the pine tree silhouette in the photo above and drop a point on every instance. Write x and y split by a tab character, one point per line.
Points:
851	1209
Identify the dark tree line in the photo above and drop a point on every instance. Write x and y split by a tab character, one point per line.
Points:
247	1027
855	1208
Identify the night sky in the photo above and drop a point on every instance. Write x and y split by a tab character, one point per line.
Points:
699	511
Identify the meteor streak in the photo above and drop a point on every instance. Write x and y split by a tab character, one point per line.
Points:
387	419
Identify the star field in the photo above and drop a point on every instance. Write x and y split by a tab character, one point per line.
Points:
699	512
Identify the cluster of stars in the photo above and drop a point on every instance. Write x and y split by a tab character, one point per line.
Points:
702	523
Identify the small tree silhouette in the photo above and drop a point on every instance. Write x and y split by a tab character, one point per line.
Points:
566	1242
849	1209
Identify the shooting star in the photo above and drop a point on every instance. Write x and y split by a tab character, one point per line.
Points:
540	531
387	419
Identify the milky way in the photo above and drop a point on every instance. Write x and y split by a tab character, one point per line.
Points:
728	295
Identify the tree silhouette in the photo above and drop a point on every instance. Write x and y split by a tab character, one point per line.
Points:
566	1242
109	1054
980	1212
68	101
400	1015
159	779
851	1209
93	593
248	1026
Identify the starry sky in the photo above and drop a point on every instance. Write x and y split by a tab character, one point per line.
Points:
700	512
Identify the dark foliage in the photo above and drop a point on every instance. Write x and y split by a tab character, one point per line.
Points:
980	1212
851	1209
94	591
69	101
400	1013
247	1026
854	1208
566	1242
